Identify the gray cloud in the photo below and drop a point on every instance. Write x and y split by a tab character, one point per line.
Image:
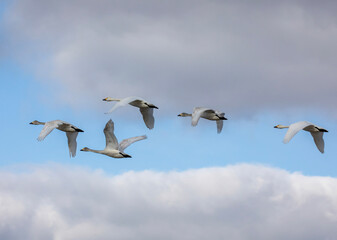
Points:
235	202
234	55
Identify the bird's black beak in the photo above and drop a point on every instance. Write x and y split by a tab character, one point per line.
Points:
275	126
104	99
31	123
154	107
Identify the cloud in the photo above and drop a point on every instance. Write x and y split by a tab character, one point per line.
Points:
234	202
232	55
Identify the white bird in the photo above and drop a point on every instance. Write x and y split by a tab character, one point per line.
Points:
71	131
207	113
316	132
146	108
112	148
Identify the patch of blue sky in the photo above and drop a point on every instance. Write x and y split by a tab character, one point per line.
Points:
4	4
172	145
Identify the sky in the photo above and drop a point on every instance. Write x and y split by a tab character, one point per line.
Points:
263	63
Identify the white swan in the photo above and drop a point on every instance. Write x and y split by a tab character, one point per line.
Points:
146	108
70	130
207	113
316	132
112	148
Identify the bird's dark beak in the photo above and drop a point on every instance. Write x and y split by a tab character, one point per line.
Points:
154	107
31	123
225	118
104	99
275	126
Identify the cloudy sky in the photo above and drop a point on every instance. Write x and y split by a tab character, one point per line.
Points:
262	63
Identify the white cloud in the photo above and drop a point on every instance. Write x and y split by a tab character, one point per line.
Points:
233	55
235	202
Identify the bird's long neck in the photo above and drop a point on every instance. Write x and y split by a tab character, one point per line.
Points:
40	123
109	99
95	151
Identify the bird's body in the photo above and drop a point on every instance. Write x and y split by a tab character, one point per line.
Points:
206	113
146	108
70	130
108	152
316	132
112	148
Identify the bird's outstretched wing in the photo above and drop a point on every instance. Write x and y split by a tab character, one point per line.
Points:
72	144
219	123
295	128
110	138
124	102
148	118
48	127
197	112
127	142
318	138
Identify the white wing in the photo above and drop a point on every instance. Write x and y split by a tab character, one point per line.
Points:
219	124
48	127
110	138
295	128
147	117
318	138
127	142
123	102
72	144
197	112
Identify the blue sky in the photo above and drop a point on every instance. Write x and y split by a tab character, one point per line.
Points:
262	64
173	145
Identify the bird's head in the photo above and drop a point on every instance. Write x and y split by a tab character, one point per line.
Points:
36	123
183	114
108	99
85	149
279	126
